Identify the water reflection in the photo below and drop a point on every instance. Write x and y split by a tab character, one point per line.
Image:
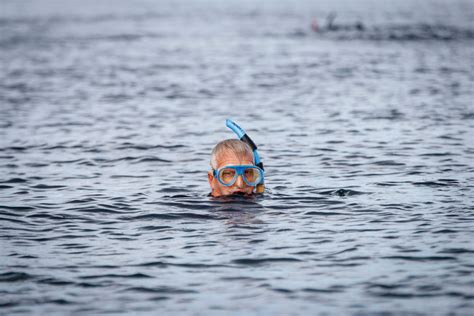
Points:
239	210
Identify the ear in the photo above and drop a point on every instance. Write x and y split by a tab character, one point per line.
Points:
212	183
210	178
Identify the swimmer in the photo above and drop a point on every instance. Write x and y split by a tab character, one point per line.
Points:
233	169
333	27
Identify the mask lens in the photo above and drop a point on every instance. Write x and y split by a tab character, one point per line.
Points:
227	175
252	175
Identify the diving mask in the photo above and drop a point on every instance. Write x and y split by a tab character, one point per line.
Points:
227	175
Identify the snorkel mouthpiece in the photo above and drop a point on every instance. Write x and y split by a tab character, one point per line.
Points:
242	135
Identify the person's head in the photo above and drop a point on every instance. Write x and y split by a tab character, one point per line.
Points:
226	159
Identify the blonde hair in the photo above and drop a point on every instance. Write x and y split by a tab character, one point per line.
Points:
238	147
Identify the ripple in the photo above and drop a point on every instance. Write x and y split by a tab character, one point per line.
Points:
258	261
433	183
17	208
137	159
15	180
15	277
325	213
457	251
148	147
47	187
55	281
174	216
334	289
158	289
343	192
421	259
115	276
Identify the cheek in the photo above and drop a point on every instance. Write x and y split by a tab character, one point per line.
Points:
220	187
216	185
225	189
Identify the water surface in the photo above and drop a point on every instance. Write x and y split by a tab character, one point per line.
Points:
109	111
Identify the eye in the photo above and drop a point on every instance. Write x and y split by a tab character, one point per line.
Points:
227	175
251	175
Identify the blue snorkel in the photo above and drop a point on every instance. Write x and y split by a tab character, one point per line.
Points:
242	135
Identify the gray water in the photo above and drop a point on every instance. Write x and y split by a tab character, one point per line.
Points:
109	111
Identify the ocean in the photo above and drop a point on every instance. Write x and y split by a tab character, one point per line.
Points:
363	114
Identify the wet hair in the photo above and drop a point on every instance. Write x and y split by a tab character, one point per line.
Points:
238	147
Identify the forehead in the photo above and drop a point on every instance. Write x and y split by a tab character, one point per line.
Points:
228	157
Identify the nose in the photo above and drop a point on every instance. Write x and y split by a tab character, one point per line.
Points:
239	182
